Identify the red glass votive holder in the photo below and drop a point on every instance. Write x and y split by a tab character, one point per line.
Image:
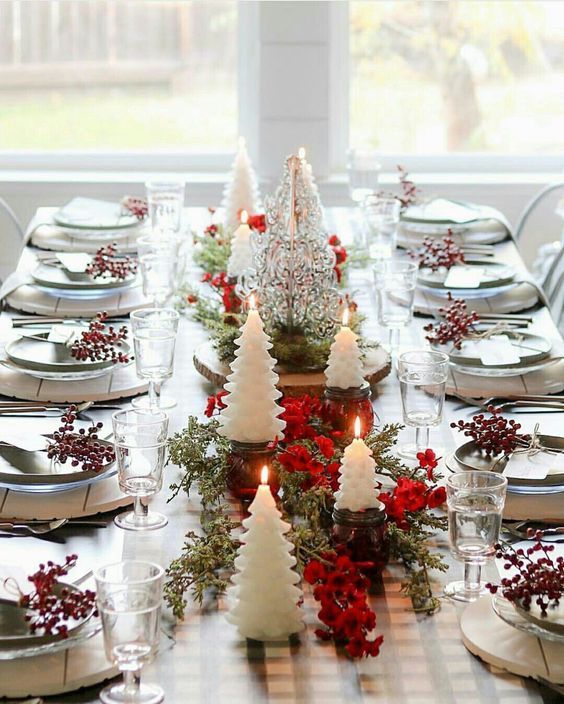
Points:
364	535
342	406
245	463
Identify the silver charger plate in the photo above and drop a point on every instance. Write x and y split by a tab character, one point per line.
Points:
34	472
95	215
532	348
495	276
509	614
53	358
57	277
470	457
503	372
14	630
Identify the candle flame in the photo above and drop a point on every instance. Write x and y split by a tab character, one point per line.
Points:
357	428
346	316
252	302
244	217
302	152
264	475
242	142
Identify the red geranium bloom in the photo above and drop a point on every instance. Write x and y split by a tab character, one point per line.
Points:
325	445
436	497
257	221
314	571
334	240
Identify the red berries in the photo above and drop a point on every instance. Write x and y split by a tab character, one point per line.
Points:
495	435
438	253
107	261
98	344
457	323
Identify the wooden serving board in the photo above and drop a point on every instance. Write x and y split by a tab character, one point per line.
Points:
377	366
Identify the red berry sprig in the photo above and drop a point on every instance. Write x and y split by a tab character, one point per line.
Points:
435	253
457	323
342	589
494	435
82	447
107	261
50	610
138	207
98	344
541	580
409	191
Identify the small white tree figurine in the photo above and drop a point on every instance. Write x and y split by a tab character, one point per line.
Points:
344	366
358	485
264	599
241	257
251	413
241	191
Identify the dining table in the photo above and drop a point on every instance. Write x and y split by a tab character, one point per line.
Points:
202	658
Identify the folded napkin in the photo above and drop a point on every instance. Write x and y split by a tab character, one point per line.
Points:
14	281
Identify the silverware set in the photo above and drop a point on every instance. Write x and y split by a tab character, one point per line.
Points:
516	401
519	529
41	408
45	321
15	528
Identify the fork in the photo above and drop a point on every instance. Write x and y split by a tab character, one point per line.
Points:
47	526
512	401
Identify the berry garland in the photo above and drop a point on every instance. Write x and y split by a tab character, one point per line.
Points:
99	344
495	435
51	608
307	463
136	206
106	261
435	253
82	447
539	581
458	324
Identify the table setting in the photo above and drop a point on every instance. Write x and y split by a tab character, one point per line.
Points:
237	464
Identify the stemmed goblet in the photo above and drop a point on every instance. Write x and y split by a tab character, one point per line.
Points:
394	286
381	218
422	376
475	503
140	446
154	340
165	200
128	596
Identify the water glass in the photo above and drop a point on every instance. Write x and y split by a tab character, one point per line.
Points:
154	341
128	596
380	217
475	503
171	247
394	286
363	167
140	446
165	200
422	375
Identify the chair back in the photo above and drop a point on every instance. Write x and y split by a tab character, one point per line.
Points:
554	288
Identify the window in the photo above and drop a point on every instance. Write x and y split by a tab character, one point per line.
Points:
453	76
130	75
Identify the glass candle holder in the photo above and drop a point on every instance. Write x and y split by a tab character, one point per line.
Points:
364	535
342	406
245	463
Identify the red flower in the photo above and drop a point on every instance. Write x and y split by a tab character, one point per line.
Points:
206	277
191	298
340	254
215	403
428	461
257	222
338	273
314	571
325	445
436	497
298	458
334	240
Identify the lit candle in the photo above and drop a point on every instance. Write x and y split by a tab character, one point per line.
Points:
241	257
264	599
344	366
358	485
302	153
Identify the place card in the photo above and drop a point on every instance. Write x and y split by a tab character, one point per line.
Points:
76	263
23	439
464	277
497	350
538	466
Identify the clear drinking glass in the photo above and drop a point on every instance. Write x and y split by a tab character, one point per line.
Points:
380	220
475	503
422	376
394	286
140	446
363	167
128	596
165	200
171	245
154	340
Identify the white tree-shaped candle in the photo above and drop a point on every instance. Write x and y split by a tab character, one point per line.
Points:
241	257
241	191
344	366
358	485
251	413
264	596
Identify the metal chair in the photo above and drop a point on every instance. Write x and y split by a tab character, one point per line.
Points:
532	205
12	216
5	264
554	288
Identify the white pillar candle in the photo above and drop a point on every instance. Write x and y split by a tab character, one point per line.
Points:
358	485
241	192
344	366
251	413
264	597
241	257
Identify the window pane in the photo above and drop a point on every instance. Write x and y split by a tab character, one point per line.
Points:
433	77
93	74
